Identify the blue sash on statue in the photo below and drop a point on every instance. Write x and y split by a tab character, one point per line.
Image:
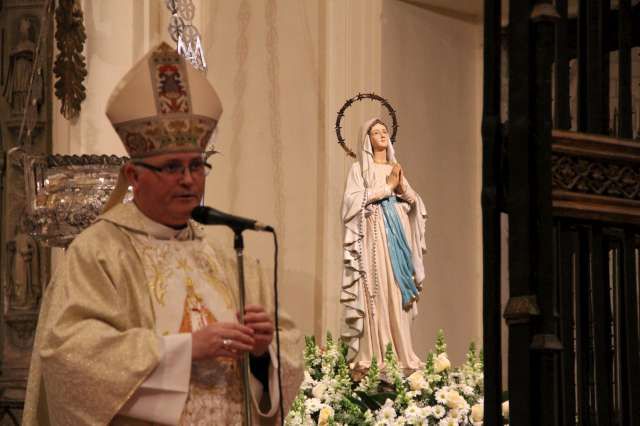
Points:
399	251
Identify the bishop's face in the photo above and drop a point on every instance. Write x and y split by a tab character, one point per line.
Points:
379	136
167	187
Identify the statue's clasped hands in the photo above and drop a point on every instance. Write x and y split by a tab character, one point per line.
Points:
395	178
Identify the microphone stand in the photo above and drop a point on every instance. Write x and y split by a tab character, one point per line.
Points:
238	245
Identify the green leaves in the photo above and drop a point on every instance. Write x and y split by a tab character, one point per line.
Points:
441	346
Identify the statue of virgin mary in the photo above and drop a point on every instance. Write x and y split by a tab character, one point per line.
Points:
384	241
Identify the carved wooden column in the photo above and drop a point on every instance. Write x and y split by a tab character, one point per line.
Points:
533	343
522	307
545	343
25	264
492	205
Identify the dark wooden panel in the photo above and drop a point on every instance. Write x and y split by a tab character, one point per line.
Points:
611	37
567	276
562	119
613	250
581	55
605	34
583	346
625	129
601	327
630	352
593	67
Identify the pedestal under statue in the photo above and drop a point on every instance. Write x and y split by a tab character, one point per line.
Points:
384	241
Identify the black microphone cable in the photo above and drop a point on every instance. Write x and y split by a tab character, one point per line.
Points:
277	325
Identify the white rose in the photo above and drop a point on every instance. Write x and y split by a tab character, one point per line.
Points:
477	413
319	390
441	363
326	413
454	399
417	381
505	410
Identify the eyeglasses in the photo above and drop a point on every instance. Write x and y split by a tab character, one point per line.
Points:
196	168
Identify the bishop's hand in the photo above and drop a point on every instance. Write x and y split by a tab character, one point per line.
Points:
259	321
221	339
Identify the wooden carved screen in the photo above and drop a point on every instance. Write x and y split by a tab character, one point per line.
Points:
572	197
25	264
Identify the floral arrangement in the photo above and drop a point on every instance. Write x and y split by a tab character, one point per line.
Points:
436	395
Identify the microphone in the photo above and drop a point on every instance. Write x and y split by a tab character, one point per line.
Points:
210	216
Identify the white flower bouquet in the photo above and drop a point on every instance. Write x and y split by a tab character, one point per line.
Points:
435	395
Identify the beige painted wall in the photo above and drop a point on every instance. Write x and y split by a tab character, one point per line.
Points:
263	59
432	73
282	69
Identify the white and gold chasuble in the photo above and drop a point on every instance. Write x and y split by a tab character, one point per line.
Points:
113	344
188	293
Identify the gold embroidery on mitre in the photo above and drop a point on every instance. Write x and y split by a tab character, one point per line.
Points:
170	84
163	134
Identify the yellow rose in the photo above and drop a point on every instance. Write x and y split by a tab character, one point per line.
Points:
325	414
416	381
454	399
441	363
477	413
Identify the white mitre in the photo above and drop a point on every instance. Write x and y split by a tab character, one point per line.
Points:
164	105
